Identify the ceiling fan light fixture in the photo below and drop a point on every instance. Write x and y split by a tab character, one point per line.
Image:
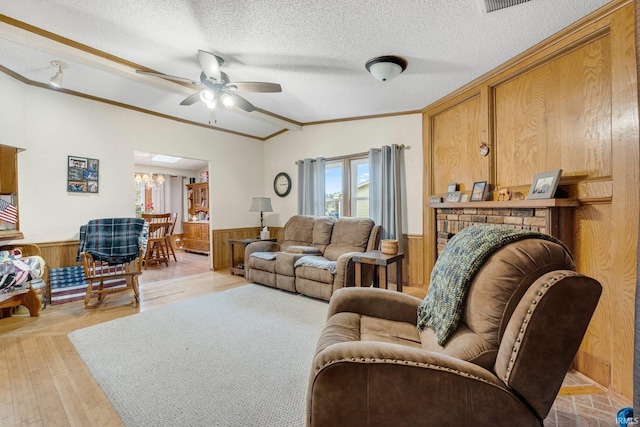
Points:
56	80
208	98
227	100
386	68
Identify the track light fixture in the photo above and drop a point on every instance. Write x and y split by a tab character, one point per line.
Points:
386	68
56	80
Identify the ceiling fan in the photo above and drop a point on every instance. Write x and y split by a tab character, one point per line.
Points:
215	86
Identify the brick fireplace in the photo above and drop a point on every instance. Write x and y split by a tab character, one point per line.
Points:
549	216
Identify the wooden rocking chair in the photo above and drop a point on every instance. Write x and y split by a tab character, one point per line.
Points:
110	250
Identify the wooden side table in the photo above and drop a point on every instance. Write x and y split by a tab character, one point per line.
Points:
244	242
380	263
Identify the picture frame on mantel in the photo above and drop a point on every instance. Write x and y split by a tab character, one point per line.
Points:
544	185
478	192
453	196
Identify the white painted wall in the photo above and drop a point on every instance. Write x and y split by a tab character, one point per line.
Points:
50	126
339	139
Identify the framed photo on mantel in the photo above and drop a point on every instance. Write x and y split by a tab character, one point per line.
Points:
83	174
544	185
479	191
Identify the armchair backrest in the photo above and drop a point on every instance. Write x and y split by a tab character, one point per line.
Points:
502	280
544	334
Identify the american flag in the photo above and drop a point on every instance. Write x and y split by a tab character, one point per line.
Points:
8	212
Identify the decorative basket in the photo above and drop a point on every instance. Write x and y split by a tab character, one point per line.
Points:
389	247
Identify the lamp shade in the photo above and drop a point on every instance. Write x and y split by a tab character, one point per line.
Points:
261	204
386	68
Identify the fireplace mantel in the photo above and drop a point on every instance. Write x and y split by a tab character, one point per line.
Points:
515	204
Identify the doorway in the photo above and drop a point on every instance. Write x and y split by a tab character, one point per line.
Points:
161	186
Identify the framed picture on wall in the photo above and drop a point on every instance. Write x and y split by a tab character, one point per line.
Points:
544	185
83	174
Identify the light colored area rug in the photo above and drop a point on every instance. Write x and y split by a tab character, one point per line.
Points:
241	357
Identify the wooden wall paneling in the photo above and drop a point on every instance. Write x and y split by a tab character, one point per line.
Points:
552	117
571	103
457	133
452	135
413	264
220	243
625	201
60	254
592	225
428	215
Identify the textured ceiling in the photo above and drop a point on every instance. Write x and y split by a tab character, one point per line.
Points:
316	50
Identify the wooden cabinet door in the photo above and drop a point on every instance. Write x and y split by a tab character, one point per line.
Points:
8	170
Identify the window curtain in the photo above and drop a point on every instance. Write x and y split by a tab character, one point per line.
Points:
169	198
636	362
385	194
311	192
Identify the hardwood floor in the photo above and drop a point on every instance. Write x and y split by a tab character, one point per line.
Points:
44	382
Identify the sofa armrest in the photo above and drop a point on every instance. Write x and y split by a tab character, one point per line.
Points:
375	302
264	246
374	383
378	352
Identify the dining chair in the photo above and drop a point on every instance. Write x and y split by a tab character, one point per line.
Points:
157	250
169	241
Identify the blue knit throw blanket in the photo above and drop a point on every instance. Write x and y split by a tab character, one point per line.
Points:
454	270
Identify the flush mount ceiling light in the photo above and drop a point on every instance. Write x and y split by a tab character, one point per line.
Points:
386	68
56	80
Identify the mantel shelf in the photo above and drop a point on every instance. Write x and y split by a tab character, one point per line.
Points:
510	204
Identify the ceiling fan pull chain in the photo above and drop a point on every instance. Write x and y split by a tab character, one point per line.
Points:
212	116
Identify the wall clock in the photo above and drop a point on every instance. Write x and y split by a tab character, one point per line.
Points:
282	184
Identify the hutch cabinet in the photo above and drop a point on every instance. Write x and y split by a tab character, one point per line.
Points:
198	195
195	231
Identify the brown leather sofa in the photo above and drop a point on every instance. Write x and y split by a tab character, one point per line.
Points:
314	257
525	315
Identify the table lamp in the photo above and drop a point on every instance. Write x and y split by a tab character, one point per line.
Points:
261	204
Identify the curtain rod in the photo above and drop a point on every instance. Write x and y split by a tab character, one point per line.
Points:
333	159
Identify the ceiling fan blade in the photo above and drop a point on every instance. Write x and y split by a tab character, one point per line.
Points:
254	87
168	77
191	99
240	102
210	65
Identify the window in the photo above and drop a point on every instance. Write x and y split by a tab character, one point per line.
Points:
347	187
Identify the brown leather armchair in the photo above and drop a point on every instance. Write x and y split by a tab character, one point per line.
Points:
525	315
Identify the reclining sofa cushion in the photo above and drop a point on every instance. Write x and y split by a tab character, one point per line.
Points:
349	235
307	231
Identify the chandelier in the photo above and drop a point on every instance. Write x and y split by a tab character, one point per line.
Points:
150	180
